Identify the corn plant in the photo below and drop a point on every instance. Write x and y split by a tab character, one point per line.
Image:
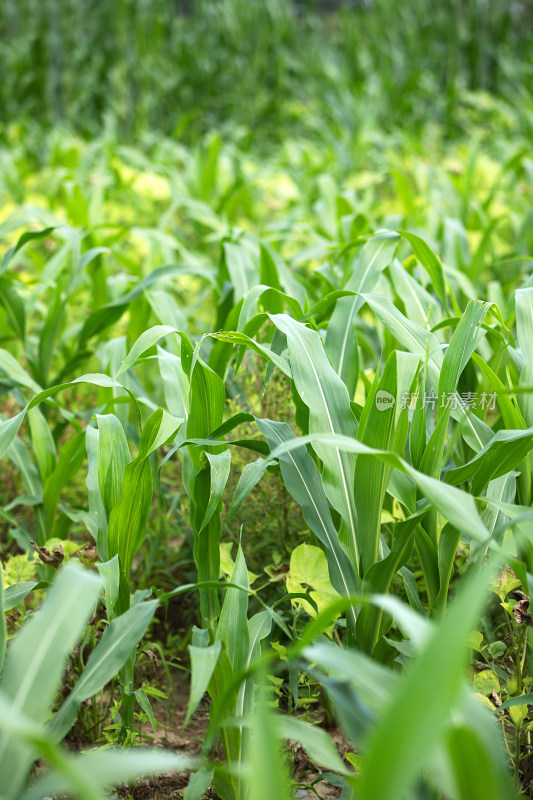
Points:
31	677
320	298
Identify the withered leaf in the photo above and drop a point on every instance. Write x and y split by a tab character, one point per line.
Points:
52	557
521	609
495	698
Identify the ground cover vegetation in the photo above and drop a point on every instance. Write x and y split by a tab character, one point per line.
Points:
266	415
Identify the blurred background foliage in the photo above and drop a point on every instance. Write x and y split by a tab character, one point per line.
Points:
183	68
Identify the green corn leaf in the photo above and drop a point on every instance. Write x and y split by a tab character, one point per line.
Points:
113	455
35	662
323	392
418	432
457	356
203	664
234	617
511	415
506	450
524	330
378	579
42	442
462	345
421	342
315	740
50	331
14	306
458	507
68	463
26	237
129	516
259	627
104	316
302	479
160	429
271	300
374	682
447	548
96	771
21	457
268	776
207	400
428	556
3	628
377	253
269	273
220	464
430	261
341	343
341	340
242	339
8	431
146	340
409	729
199	783
472	752
420	306
413	337
85	775
175	383
106	660
378	428
110	574
98	517
242	270
15	372
15	594
144	702
10	427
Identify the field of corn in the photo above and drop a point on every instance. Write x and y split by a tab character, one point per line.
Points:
266	400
